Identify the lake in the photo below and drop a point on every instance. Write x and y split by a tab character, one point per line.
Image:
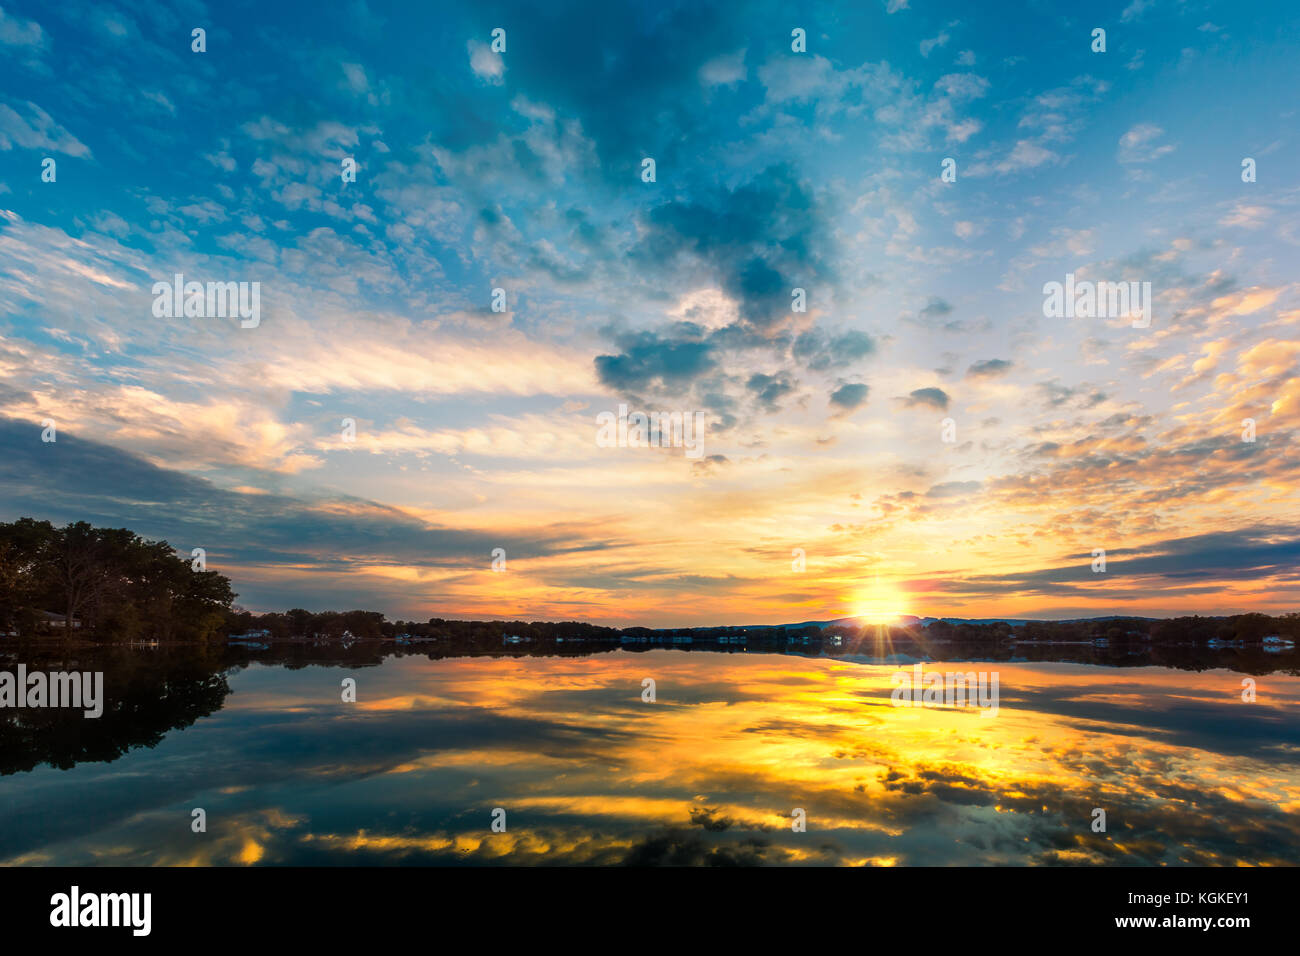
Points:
566	755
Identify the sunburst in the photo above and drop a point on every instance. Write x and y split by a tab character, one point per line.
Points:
881	603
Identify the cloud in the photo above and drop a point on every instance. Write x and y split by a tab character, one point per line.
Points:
1056	395
953	489
486	64
1138	144
1052	118
22	34
770	389
1135	10
989	368
962	86
597	89
1251	553
761	240
37	131
930	45
1026	154
648	360
822	351
849	396
1247	216
929	397
725	70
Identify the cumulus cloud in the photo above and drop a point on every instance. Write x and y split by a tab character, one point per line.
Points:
648	359
989	368
928	397
487	65
849	396
760	240
725	70
1138	144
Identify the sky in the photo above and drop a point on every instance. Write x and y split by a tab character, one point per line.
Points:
910	433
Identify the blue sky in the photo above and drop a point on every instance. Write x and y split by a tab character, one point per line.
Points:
775	170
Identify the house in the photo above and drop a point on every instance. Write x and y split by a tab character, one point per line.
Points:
253	640
59	621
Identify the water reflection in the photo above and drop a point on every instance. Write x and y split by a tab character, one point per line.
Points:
709	773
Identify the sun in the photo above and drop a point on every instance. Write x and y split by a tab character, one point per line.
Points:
881	603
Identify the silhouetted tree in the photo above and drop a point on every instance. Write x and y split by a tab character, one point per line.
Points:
116	584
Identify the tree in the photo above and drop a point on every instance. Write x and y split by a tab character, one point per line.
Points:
115	583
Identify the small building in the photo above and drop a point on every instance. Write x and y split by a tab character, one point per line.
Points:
58	621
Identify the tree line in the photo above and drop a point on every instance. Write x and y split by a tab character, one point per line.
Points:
372	625
104	583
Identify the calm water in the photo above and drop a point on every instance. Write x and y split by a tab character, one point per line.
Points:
709	773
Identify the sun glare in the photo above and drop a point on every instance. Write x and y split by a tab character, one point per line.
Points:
881	604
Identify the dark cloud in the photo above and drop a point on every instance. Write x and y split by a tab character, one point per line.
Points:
770	389
989	368
820	351
953	489
1252	554
936	308
850	396
592	238
936	315
13	396
644	101
723	406
677	848
932	397
1083	396
707	466
649	359
761	240
711	819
